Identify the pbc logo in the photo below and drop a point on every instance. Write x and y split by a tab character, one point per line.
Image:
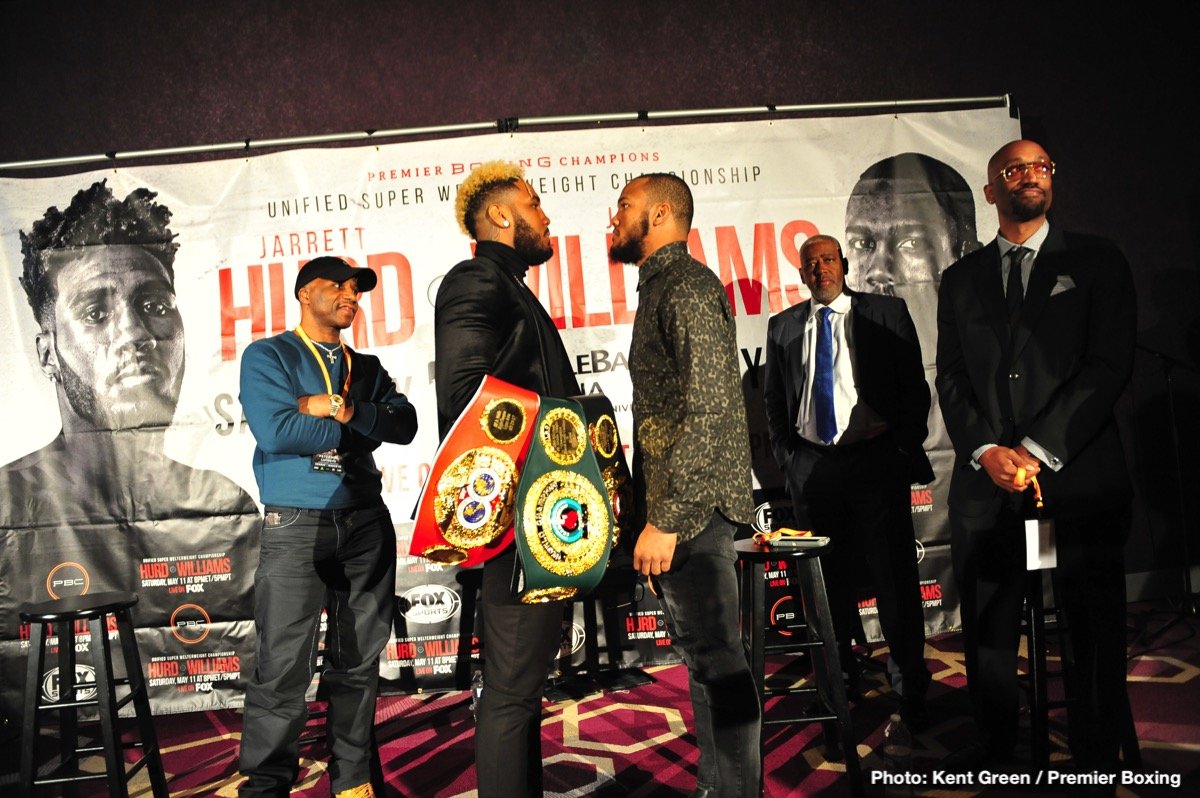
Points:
920	551
572	640
429	604
772	515
67	579
85	675
783	615
189	624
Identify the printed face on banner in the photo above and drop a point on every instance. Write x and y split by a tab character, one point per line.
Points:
116	340
631	224
909	217
897	237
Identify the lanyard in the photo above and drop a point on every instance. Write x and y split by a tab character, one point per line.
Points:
1037	489
321	362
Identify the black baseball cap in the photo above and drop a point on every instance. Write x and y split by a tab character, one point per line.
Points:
335	269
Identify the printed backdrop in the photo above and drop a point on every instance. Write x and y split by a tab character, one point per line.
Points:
245	226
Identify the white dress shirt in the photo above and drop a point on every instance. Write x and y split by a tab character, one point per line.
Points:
855	421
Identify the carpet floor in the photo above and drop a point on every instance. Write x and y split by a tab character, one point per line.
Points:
637	742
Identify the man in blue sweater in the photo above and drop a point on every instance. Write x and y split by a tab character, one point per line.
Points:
317	410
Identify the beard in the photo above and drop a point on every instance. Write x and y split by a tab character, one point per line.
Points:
148	406
629	250
1024	210
532	248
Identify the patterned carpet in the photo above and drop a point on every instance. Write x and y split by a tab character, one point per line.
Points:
637	743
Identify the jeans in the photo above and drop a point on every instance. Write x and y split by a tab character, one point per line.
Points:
699	597
342	561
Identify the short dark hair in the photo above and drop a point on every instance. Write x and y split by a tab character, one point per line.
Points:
947	186
94	218
664	187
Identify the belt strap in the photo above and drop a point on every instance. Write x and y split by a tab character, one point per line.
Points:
614	469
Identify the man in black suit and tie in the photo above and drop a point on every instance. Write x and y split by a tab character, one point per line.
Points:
846	406
1036	336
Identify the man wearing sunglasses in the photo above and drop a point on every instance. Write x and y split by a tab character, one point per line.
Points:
1036	336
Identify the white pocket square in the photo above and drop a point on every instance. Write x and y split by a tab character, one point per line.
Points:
1064	283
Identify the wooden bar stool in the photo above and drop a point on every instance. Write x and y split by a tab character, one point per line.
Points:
815	635
63	615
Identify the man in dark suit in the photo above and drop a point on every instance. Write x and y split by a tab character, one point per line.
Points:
846	405
1036	337
487	321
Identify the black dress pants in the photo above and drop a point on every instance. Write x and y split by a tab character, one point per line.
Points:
859	497
520	643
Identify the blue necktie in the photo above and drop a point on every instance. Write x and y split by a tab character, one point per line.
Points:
823	379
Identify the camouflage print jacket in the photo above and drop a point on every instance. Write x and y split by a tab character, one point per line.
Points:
692	449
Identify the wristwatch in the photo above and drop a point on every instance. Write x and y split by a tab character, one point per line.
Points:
335	404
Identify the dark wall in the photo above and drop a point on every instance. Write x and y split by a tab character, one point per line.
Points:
1106	93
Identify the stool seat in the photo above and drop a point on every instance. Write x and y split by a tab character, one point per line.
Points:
63	616
78	608
815	635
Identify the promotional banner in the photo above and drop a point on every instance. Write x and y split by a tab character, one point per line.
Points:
126	464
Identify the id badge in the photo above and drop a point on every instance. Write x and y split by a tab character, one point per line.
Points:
328	462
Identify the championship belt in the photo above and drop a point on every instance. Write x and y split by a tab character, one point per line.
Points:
610	457
564	524
465	513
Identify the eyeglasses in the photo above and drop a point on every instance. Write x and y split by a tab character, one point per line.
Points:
1042	169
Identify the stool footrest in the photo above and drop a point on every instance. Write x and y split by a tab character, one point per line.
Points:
81	703
805	718
69	777
769	691
99	749
792	648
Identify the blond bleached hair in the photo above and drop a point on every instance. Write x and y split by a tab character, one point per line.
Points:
479	186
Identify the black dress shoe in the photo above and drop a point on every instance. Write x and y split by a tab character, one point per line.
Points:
915	713
976	756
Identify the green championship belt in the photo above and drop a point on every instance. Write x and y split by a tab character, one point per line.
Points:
564	524
610	457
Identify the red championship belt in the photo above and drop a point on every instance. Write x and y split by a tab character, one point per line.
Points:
465	513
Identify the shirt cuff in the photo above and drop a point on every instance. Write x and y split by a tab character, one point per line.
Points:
975	455
1035	449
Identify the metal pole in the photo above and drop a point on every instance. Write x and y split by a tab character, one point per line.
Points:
506	126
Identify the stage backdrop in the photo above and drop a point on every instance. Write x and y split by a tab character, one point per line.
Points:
168	508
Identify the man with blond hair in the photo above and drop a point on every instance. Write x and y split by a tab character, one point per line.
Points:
487	321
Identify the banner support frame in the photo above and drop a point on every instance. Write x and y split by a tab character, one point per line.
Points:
507	125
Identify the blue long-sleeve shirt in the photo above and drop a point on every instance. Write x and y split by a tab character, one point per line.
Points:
275	373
